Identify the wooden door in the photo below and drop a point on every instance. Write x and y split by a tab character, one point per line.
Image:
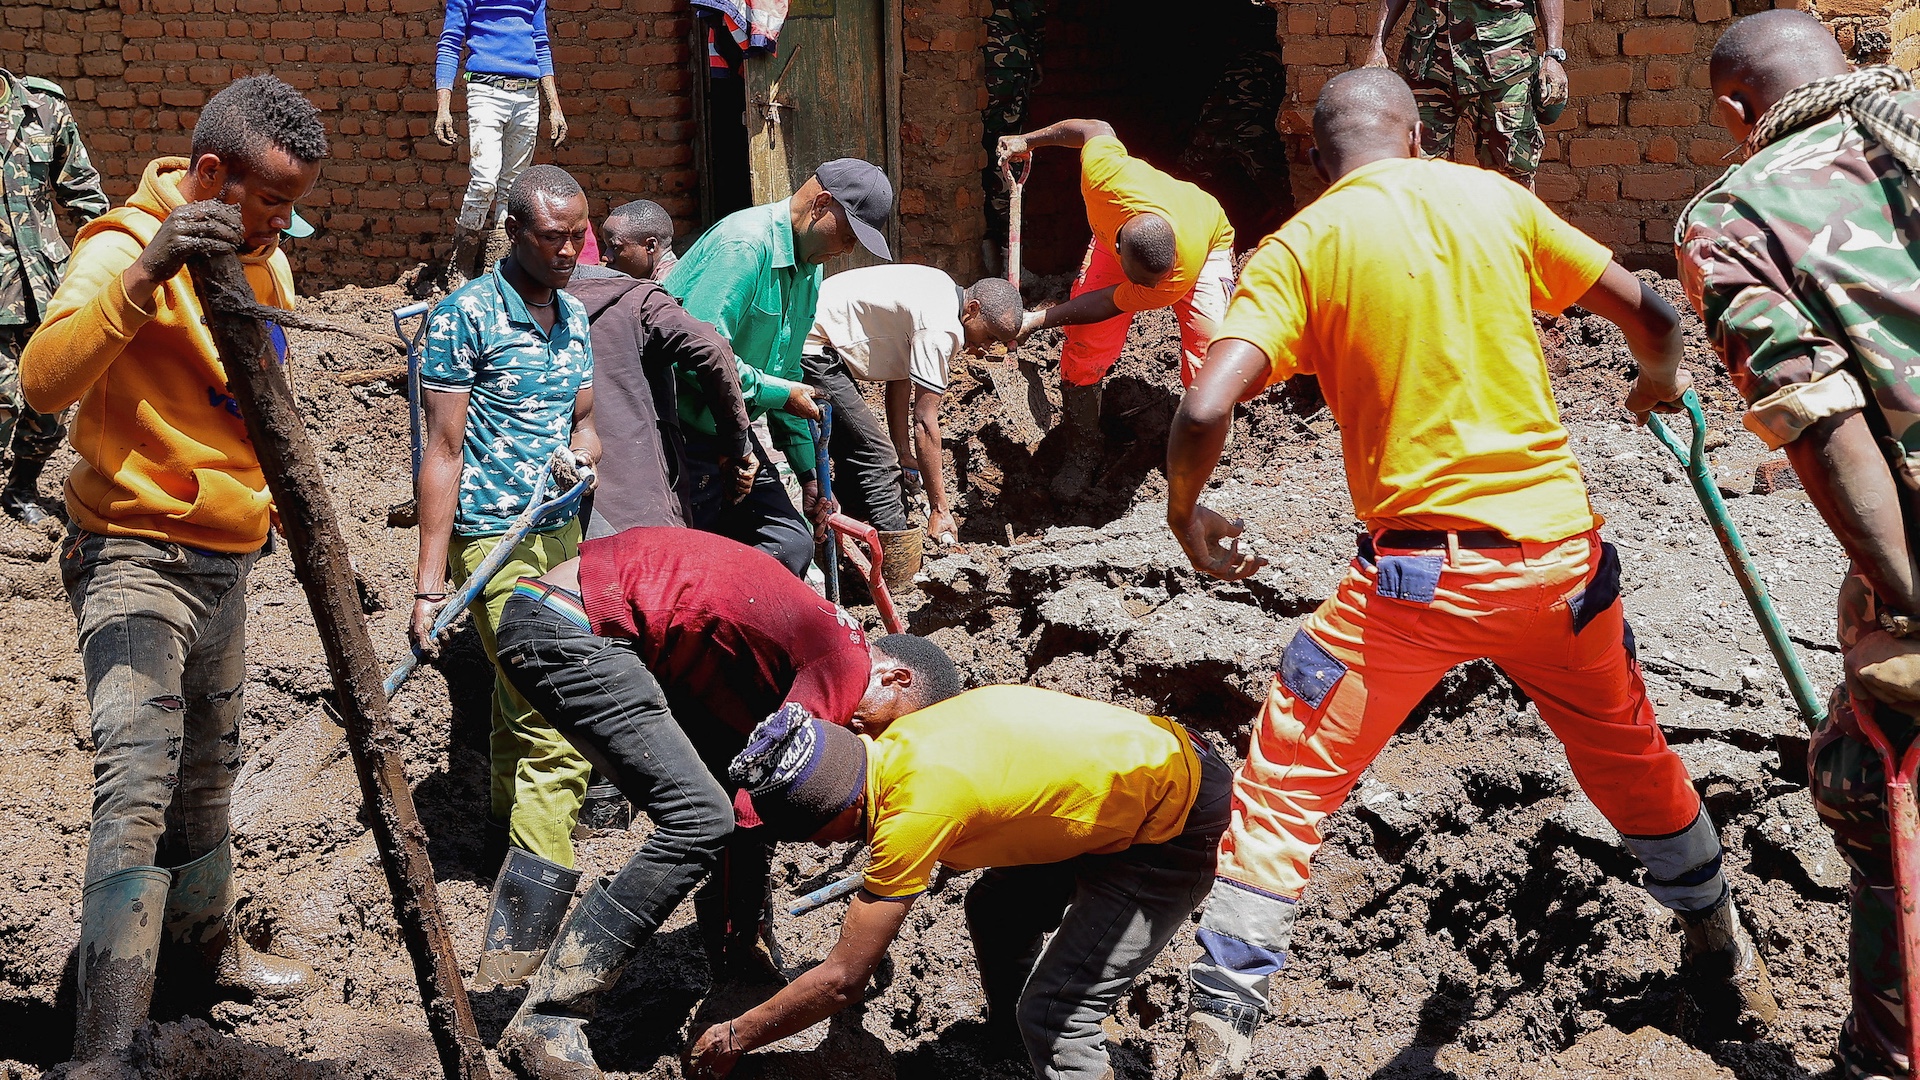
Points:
833	88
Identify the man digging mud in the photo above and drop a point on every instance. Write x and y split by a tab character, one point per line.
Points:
1408	288
1157	242
169	511
1801	262
1094	823
507	379
656	652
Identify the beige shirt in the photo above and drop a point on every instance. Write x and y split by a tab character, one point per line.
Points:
898	321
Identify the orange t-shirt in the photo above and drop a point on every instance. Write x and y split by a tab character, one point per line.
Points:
1408	288
1117	186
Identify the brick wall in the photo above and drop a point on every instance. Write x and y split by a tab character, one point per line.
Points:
942	92
137	71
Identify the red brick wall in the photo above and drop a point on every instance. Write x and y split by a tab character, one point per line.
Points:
942	92
136	71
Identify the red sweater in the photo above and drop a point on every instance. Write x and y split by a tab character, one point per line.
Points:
725	628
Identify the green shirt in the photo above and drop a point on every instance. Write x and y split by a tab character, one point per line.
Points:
741	277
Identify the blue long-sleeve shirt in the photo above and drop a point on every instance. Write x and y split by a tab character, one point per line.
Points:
504	37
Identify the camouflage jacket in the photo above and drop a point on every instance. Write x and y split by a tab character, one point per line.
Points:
41	163
1488	43
1803	262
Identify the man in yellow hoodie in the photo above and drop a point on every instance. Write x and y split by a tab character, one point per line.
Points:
169	511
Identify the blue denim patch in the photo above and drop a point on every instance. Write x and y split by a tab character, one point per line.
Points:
1600	594
1309	670
1409	577
1239	956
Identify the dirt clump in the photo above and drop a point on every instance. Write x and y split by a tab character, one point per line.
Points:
1471	914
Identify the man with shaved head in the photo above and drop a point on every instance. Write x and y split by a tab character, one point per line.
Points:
1157	242
1409	289
1801	260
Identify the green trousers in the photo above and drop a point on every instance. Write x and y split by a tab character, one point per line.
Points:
539	779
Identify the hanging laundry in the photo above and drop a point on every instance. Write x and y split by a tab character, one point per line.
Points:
737	29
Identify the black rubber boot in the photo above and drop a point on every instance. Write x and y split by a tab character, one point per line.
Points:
20	499
1085	441
547	1038
530	898
120	932
201	939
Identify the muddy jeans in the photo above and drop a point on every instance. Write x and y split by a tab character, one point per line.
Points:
163	644
866	468
1110	915
502	126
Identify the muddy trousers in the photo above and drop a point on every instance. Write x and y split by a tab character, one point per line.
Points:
765	519
866	468
1549	615
599	694
1110	915
30	435
1848	786
1092	348
502	127
163	645
538	779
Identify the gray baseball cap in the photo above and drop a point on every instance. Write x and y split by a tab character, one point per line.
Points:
865	193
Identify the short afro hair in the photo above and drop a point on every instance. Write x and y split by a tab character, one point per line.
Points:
1148	240
240	122
935	678
640	219
1000	306
549	181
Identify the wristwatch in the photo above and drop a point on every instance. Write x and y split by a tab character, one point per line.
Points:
1556	54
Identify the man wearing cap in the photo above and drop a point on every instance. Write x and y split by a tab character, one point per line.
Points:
1094	823
1157	242
41	163
656	652
755	277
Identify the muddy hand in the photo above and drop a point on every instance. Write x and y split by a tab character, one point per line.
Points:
803	401
818	509
743	471
1202	538
420	629
1646	398
941	529
204	228
443	131
714	1054
1013	148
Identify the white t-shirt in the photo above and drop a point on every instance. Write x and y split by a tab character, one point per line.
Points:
897	321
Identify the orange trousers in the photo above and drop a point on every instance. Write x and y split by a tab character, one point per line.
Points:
1092	348
1550	617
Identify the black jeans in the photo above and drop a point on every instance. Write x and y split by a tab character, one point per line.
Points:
866	469
603	699
765	519
1114	913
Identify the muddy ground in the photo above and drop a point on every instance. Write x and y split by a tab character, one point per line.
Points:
1471	915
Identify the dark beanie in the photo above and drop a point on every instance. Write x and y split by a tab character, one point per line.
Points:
801	771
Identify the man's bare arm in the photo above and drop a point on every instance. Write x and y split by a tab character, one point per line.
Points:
1846	475
1653	335
1235	371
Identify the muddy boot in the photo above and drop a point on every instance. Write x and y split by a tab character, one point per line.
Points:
1085	441
901	554
547	1038
496	246
200	933
466	249
530	897
603	810
1721	956
120	931
20	499
1218	1043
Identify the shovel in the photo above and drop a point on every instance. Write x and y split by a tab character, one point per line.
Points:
407	514
1018	384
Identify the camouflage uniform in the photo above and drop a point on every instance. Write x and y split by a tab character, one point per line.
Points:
1236	142
1476	57
1014	32
1801	262
43	163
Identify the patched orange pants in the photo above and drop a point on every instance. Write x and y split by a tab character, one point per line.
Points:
1092	348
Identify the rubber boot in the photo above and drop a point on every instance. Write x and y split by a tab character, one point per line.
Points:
200	933
1218	1042
466	248
1081	404
20	499
1721	953
901	555
530	897
604	809
496	246
547	1038
120	931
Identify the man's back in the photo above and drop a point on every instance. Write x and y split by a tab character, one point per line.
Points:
1409	287
891	322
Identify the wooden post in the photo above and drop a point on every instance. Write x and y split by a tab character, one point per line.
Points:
321	562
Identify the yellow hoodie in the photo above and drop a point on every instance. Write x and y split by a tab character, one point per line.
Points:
164	453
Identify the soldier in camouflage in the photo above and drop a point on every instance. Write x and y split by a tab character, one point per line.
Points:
1476	58
1236	151
44	163
1015	29
1801	262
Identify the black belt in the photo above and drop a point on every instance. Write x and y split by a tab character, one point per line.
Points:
1430	539
502	82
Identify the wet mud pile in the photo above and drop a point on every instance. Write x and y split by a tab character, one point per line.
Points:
1471	915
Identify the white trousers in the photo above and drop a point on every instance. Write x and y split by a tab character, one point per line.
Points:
501	128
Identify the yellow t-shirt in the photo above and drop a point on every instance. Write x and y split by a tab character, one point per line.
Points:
1408	288
1117	186
1016	776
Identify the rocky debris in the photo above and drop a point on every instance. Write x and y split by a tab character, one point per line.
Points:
1790	841
1646	1054
1775	475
